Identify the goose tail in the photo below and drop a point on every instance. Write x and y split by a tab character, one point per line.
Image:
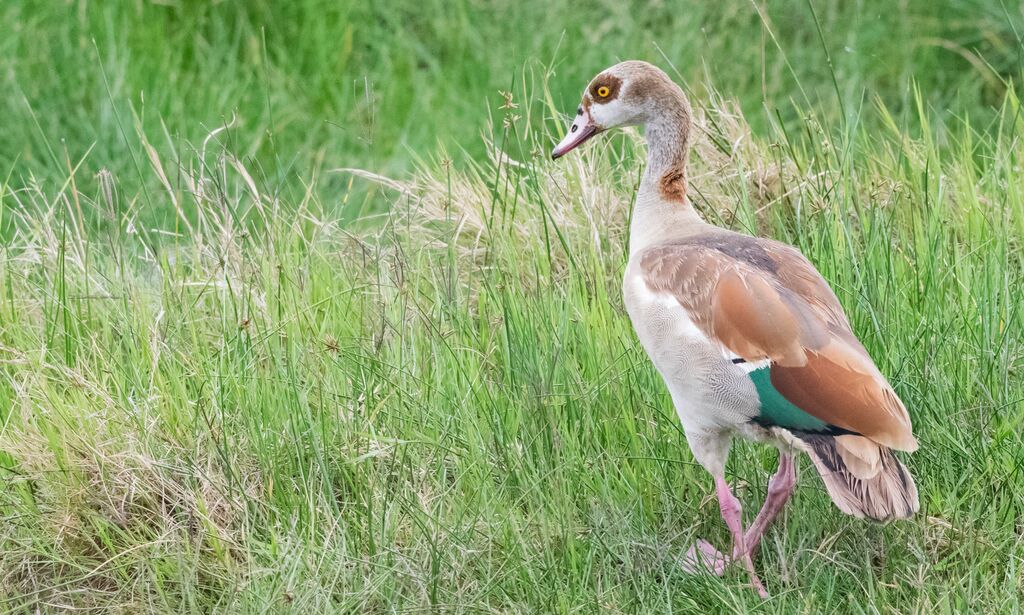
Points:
863	478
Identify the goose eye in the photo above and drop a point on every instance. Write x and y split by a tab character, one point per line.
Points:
603	91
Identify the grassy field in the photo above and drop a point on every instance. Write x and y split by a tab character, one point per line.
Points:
297	316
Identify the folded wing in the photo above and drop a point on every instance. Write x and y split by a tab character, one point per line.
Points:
764	301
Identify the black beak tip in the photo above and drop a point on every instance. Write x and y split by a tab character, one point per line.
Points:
555	156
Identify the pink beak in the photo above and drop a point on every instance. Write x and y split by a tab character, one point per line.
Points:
583	127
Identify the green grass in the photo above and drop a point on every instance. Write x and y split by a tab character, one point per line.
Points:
346	83
233	379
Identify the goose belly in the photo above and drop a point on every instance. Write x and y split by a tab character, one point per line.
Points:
710	392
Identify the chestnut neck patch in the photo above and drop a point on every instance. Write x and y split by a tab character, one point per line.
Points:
672	184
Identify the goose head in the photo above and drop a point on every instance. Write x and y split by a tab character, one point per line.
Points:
627	94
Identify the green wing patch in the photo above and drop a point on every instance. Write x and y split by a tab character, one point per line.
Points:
778	411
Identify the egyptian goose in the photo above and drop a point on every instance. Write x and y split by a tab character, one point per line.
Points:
747	335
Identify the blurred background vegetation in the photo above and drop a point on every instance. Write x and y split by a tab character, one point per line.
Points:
377	85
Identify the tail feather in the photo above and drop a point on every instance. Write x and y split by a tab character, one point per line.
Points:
864	478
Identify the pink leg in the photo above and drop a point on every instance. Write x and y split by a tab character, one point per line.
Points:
732	514
780	488
703	556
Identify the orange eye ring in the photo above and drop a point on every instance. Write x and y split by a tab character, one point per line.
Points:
603	91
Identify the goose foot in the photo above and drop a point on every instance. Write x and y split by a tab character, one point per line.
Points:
703	557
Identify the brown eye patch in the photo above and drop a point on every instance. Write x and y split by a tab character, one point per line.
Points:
605	88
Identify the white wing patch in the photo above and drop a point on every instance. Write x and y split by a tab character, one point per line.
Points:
676	322
746	366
